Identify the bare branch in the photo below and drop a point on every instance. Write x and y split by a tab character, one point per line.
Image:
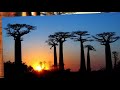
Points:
61	36
106	37
90	47
16	30
51	41
77	36
113	39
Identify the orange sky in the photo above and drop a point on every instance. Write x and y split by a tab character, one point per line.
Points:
32	55
34	48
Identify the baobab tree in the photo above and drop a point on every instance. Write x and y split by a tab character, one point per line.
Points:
53	43
78	36
89	47
61	38
115	56
105	39
17	31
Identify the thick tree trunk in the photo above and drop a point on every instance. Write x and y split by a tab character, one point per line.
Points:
61	63
115	61
108	57
88	61
18	51
18	61
82	66
55	57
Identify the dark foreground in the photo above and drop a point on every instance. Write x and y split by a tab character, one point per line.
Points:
13	72
65	76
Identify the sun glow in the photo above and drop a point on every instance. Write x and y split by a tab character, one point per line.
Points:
38	68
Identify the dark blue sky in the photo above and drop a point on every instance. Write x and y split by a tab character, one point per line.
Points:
34	48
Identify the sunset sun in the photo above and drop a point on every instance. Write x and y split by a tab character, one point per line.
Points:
38	68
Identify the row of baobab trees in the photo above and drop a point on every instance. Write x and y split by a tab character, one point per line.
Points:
104	38
58	38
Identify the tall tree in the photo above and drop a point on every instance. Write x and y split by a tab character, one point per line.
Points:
115	56
89	47
61	38
105	39
78	36
17	31
53	43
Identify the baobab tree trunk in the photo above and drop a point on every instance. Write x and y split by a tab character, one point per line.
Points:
82	66
88	61
61	63
115	62
18	61
55	57
108	57
18	51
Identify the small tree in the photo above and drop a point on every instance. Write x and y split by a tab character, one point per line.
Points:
53	43
89	47
115	56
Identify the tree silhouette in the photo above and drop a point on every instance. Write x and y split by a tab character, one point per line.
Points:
78	36
53	43
88	56
115	56
17	31
60	38
10	70
44	64
41	64
106	38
